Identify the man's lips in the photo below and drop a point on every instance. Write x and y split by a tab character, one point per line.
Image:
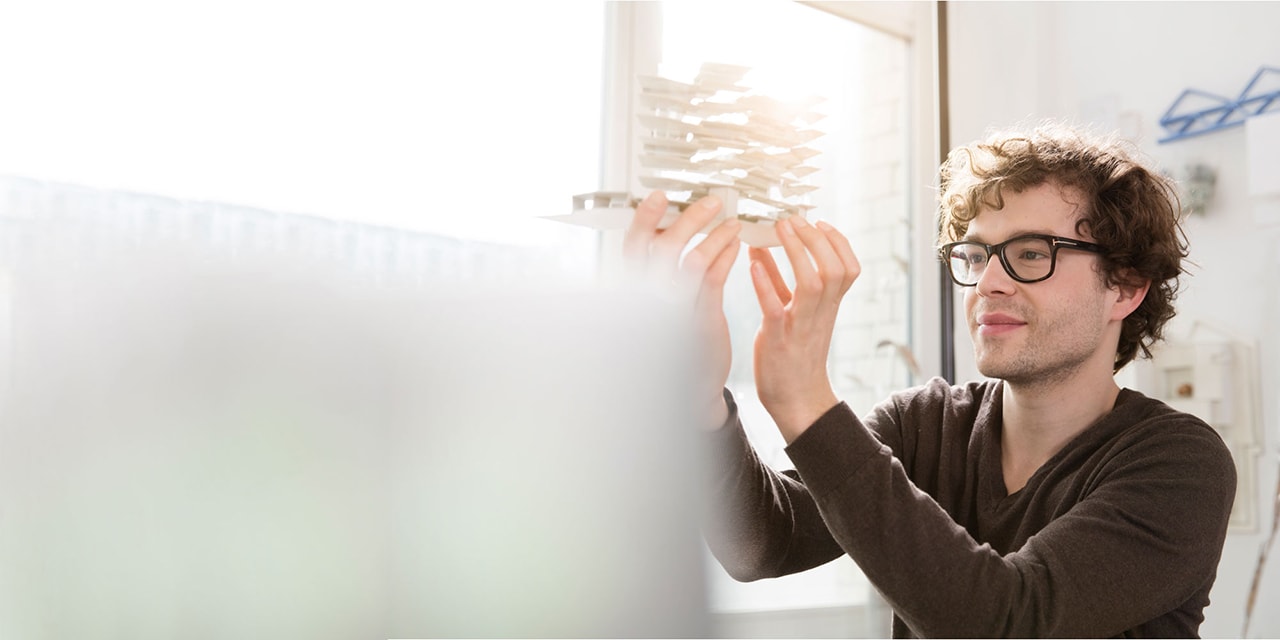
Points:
990	324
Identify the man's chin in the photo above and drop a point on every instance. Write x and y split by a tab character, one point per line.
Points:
999	370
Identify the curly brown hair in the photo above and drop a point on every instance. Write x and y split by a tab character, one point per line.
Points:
1132	210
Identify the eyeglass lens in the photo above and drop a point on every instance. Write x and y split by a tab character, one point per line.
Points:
1024	258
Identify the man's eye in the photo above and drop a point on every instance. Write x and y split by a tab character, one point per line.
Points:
1031	255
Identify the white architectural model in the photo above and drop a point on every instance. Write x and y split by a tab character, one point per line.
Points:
716	136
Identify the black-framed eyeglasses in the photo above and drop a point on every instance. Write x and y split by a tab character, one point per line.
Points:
1028	258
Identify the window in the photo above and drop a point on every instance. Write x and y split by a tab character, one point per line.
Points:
391	114
875	163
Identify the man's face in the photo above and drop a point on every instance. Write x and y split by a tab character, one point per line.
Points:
1039	332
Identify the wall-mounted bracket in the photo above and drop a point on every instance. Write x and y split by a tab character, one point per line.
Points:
1215	378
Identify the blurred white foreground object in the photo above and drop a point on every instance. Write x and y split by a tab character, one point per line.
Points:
269	449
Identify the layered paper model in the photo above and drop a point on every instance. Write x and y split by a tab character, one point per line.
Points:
716	136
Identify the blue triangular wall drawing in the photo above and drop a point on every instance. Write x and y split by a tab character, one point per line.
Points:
1195	112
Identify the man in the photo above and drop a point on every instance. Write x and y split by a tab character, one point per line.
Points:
1044	501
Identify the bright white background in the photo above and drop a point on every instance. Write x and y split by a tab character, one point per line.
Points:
454	118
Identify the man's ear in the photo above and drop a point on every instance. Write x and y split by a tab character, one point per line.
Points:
1131	290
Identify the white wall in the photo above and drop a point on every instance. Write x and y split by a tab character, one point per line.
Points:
1121	65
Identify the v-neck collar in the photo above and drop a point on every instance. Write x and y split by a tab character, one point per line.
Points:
991	424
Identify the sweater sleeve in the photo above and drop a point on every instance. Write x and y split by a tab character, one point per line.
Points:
1144	540
765	524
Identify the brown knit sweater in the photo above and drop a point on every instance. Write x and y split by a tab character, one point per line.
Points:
1119	534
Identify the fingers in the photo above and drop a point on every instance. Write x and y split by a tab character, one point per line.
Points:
808	288
845	253
643	236
711	294
771	305
668	244
765	257
821	260
718	273
644	226
708	257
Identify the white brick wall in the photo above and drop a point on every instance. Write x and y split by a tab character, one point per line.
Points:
875	316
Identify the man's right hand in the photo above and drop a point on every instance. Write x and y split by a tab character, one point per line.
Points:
796	327
701	272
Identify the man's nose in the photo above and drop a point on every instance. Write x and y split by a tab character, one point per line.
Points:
995	279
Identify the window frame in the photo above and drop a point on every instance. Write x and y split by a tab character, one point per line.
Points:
633	44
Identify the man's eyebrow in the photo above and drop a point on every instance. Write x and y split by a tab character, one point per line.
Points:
968	237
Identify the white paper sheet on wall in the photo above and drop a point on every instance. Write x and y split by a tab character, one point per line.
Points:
1262	150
